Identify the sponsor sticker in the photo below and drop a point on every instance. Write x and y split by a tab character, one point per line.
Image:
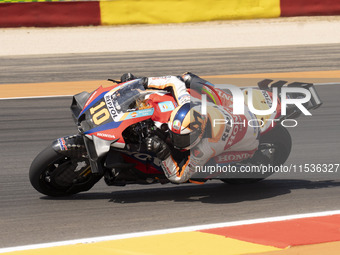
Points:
159	78
184	99
166	106
268	99
166	169
232	157
176	125
198	153
62	144
106	135
110	106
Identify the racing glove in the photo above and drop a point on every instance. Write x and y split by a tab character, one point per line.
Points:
159	147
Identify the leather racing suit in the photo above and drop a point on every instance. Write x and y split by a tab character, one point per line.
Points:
232	136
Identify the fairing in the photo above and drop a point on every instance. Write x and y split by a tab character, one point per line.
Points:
103	116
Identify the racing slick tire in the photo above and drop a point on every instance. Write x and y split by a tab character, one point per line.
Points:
54	174
282	141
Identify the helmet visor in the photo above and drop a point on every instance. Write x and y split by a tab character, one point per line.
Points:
182	141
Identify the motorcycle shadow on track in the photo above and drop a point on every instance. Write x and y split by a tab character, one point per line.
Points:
211	193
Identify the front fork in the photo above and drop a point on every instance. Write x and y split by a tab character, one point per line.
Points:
74	147
77	146
70	146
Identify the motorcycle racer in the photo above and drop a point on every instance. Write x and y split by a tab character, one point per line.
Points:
195	139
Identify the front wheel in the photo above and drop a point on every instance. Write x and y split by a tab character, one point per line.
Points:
54	174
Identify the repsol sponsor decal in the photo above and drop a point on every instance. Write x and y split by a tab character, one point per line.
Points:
110	106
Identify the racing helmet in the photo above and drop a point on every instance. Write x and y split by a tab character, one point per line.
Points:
186	126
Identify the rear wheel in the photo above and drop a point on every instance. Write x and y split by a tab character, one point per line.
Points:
54	174
279	141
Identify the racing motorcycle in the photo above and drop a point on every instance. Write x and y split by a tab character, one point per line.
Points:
113	123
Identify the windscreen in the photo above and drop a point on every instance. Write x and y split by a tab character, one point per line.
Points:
125	95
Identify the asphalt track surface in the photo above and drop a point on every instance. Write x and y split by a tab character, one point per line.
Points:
29	125
100	66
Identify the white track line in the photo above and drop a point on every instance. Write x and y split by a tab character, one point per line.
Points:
170	230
